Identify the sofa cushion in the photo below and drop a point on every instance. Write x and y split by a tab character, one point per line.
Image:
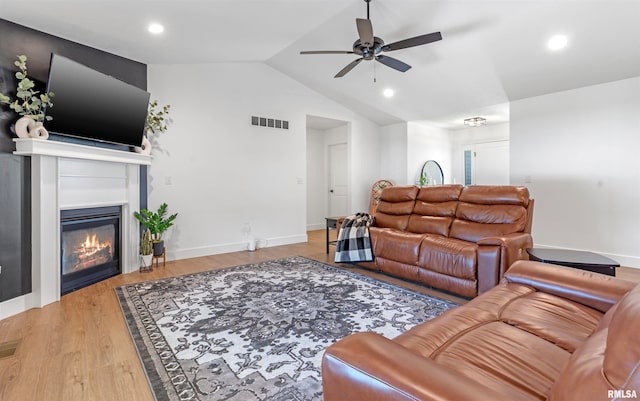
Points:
399	246
562	322
448	256
439	193
429	224
495	195
487	211
434	209
395	207
476	221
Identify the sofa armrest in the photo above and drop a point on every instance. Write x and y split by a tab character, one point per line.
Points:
513	248
368	366
595	290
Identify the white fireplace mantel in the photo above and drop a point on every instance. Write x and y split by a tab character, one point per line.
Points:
71	176
39	147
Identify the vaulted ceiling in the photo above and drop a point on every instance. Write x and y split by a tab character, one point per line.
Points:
492	52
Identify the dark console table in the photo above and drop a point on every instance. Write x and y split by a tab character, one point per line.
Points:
579	259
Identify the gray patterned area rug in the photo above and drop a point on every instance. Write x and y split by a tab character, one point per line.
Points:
258	331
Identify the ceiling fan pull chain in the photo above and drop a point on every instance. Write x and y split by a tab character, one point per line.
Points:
374	72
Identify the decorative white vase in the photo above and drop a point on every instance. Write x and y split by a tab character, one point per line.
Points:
145	149
27	127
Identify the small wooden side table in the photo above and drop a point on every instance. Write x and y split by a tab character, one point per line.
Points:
163	256
332	224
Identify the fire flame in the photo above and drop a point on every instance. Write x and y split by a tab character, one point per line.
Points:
91	244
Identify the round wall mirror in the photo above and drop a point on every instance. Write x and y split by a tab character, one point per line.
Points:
431	173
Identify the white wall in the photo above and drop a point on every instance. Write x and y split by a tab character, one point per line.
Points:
577	151
219	172
425	142
393	153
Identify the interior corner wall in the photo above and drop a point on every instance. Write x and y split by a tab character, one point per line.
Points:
425	142
219	172
316	168
393	157
577	151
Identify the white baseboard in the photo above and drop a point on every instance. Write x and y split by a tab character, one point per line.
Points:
624	260
217	249
317	226
16	305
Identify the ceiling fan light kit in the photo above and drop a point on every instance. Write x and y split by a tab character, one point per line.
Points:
369	47
475	121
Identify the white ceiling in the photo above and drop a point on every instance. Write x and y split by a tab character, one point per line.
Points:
492	52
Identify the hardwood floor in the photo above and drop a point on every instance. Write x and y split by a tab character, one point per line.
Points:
79	349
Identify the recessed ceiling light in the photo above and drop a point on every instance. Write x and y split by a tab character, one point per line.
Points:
388	92
557	42
155	28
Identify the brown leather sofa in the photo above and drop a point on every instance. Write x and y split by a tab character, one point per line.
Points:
546	333
454	238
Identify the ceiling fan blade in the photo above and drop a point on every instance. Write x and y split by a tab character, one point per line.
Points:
326	52
393	63
365	30
411	42
348	68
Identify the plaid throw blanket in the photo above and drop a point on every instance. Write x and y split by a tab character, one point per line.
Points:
354	243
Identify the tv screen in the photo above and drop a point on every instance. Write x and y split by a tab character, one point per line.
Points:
93	105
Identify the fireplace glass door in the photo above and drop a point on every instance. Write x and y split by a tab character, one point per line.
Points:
90	246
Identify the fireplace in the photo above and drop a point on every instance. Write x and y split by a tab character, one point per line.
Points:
89	246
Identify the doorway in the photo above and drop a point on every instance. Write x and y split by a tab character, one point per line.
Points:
328	191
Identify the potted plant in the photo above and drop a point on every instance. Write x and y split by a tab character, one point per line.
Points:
157	122
146	251
157	223
29	104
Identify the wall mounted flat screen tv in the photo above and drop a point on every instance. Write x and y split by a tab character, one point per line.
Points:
92	105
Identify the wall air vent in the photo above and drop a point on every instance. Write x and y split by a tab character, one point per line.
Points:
269	122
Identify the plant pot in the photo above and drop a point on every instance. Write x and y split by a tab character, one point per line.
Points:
145	149
158	248
146	263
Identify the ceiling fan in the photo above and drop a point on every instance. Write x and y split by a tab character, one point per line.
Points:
369	47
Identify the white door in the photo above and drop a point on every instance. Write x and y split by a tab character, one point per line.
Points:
338	183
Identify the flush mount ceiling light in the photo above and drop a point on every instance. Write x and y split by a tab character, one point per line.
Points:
557	42
475	121
155	28
388	92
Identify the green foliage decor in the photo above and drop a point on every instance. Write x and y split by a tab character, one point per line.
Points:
146	246
28	102
156	222
157	120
